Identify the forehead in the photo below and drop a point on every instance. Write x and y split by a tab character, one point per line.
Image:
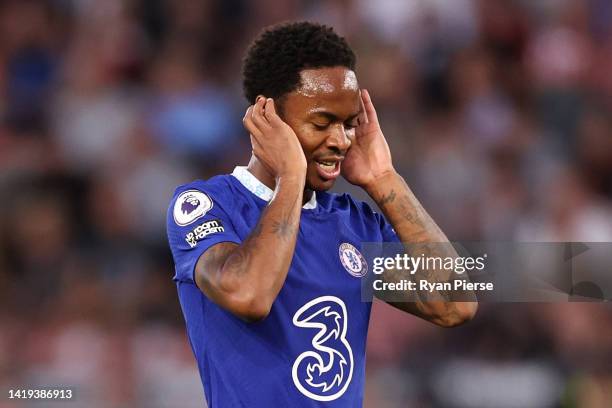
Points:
321	81
332	89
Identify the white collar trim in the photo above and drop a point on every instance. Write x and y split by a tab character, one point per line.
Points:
247	179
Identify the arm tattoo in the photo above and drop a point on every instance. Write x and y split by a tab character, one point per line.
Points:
284	229
214	255
387	199
412	213
239	259
422	238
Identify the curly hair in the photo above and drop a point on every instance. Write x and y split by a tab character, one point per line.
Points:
274	60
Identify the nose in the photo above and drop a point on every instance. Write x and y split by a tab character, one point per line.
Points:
338	139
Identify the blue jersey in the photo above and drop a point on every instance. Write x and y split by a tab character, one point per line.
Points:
310	350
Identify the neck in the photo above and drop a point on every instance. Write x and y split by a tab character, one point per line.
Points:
258	170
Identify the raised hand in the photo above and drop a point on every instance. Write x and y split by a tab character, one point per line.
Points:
273	142
369	158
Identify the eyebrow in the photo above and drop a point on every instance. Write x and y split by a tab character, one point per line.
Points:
331	117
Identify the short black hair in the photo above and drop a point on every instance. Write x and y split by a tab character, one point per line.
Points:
275	58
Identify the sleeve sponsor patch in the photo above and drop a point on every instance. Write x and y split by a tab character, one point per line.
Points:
202	231
191	205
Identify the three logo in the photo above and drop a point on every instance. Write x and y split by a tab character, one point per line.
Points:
324	372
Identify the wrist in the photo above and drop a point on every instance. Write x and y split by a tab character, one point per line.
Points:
295	172
291	180
289	188
377	187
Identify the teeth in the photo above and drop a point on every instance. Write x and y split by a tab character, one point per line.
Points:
329	165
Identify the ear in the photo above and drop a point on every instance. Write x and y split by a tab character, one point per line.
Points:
279	104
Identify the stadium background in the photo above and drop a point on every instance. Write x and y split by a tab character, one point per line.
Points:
498	114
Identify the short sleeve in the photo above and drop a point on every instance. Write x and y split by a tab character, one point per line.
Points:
196	221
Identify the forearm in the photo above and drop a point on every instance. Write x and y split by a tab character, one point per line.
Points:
422	236
256	270
402	209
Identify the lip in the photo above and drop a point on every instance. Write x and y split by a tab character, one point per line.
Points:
329	174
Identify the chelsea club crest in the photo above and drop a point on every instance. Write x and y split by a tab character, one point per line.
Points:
352	260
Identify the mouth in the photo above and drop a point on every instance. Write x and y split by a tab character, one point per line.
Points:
329	169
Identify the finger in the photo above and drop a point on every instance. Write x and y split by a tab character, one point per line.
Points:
363	115
369	106
257	150
247	121
247	113
270	112
255	145
258	115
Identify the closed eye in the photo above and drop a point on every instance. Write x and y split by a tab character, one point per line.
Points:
351	125
319	126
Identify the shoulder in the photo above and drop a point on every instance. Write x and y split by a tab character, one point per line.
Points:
194	199
218	186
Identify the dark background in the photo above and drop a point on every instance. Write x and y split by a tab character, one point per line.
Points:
498	113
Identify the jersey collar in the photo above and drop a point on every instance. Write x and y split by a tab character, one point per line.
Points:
247	179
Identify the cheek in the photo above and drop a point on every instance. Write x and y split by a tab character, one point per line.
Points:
309	139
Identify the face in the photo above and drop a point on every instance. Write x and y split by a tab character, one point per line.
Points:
323	114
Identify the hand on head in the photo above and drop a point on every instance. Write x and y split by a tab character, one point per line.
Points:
273	142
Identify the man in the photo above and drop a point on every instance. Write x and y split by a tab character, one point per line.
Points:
268	264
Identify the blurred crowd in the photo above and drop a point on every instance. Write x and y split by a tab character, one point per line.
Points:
498	114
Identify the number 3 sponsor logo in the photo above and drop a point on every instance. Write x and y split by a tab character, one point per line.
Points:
324	372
